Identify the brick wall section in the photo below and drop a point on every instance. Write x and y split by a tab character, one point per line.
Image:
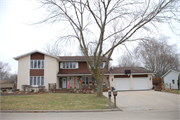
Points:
37	56
37	72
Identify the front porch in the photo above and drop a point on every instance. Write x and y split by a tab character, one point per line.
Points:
78	84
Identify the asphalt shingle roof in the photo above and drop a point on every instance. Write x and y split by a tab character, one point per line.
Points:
77	58
120	70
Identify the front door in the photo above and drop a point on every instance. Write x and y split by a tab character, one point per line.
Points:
62	83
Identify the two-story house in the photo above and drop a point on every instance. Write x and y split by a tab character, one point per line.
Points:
40	69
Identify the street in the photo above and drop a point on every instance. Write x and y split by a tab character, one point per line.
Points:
118	115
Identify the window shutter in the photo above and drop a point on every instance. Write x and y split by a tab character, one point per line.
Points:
61	65
77	65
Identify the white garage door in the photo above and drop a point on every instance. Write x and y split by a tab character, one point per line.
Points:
122	83
140	83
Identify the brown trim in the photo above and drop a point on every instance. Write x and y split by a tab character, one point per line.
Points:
37	72
121	76
140	76
37	56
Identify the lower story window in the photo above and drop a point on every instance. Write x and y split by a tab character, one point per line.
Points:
87	80
36	80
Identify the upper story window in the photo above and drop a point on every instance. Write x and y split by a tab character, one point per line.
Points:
173	82
69	65
102	64
37	64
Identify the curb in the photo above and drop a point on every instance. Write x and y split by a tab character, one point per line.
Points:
57	111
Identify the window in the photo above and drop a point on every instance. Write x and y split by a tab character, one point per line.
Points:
31	63
101	66
42	80
172	81
37	64
74	65
36	80
42	64
69	65
34	83
31	80
87	80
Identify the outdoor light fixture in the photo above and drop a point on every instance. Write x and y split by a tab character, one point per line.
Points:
150	78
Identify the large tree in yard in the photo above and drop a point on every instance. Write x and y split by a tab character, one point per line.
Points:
107	24
157	56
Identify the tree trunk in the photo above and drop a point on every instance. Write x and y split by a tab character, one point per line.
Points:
99	88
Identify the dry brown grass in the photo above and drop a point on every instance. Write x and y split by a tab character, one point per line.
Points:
53	102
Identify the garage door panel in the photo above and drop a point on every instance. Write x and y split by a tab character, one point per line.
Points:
140	83
122	83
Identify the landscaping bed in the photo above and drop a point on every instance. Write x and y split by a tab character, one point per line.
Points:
54	101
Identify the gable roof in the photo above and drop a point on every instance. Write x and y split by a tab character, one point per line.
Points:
78	58
134	70
169	72
32	52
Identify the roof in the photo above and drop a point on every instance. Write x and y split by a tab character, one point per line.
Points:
78	58
134	70
169	72
32	52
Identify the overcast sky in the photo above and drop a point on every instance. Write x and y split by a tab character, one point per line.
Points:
18	37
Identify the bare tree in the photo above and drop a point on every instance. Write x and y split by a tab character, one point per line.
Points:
4	71
128	60
53	49
107	24
158	56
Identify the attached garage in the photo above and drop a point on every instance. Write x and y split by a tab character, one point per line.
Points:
122	82
131	78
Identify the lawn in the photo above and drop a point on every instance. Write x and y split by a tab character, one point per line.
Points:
56	101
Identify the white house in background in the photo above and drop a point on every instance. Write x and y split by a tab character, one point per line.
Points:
170	79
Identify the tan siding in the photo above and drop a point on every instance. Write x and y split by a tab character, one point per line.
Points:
111	80
23	72
150	81
50	71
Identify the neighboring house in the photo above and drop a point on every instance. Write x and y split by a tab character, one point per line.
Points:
170	79
4	84
39	69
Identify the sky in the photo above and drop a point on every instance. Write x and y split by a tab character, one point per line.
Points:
18	36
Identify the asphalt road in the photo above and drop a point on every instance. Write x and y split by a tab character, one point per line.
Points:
118	115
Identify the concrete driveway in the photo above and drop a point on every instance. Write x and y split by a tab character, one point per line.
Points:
146	100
